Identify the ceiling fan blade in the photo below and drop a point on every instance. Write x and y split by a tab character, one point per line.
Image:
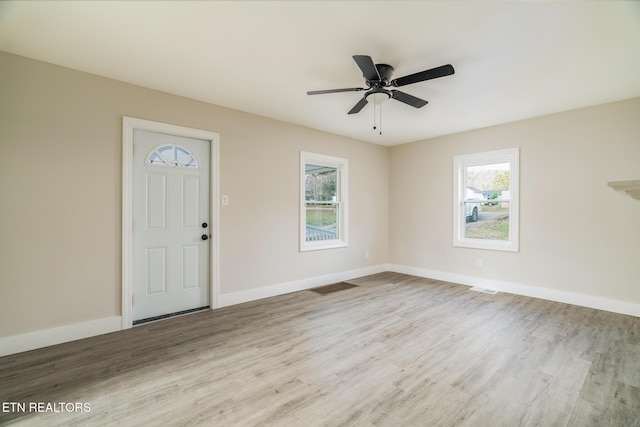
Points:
408	99
359	106
349	89
369	70
434	73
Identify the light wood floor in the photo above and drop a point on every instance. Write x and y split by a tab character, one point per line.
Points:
396	351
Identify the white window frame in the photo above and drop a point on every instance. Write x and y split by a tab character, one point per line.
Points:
460	163
342	166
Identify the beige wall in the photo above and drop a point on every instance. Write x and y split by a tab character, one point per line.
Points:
60	189
576	233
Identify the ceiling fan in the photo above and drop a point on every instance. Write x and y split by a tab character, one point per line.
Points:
378	78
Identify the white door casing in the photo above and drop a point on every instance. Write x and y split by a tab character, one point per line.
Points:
172	268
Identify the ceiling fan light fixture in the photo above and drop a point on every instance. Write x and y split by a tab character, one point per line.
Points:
378	96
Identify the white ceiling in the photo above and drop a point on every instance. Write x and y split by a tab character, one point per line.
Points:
513	60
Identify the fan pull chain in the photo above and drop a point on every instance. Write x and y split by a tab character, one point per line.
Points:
375	106
377	117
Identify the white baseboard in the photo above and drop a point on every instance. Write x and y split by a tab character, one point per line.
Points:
46	337
583	300
297	285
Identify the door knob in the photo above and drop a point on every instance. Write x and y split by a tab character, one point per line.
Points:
205	237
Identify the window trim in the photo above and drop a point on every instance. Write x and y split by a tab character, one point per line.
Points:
342	166
460	162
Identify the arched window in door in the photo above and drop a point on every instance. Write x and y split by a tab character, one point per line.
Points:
172	155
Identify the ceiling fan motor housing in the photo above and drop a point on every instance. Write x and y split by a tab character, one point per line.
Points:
385	71
378	94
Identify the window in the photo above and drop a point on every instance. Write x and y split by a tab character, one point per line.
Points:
486	200
172	155
323	206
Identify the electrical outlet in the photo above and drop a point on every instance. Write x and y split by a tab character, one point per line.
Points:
366	254
479	263
225	200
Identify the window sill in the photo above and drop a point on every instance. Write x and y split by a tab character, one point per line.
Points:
492	245
325	245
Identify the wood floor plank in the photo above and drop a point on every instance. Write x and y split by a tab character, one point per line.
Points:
395	350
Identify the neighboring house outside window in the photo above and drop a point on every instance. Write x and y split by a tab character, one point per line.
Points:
323	201
486	200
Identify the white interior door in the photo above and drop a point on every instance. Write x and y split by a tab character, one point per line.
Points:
171	224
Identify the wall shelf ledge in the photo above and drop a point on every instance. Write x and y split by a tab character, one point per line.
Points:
631	188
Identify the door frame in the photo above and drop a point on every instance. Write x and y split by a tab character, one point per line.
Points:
129	124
